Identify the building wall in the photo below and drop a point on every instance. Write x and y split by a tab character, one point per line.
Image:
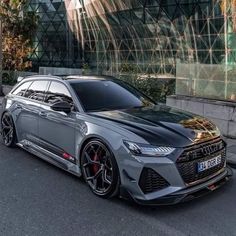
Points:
222	113
142	37
54	43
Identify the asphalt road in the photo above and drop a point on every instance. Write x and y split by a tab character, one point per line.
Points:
37	198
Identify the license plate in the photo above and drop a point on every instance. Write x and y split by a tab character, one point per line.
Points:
205	165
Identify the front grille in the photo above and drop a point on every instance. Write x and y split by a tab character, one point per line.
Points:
201	150
187	163
150	181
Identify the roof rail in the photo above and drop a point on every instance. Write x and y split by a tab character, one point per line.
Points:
91	76
20	78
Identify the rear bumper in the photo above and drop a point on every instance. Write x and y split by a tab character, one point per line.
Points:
190	193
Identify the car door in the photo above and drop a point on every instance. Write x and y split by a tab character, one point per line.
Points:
27	104
57	129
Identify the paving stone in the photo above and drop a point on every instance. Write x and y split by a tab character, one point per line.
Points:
232	129
232	149
231	159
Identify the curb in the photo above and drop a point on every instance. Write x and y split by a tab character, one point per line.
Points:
231	160
232	163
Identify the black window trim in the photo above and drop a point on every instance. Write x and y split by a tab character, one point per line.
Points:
32	81
36	80
16	87
49	80
65	85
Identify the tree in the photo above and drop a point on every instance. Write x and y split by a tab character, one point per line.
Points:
18	28
229	6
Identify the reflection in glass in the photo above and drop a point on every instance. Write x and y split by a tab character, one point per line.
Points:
191	40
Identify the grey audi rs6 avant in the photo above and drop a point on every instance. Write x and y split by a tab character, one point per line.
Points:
118	139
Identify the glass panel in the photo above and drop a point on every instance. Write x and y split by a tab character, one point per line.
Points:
108	95
141	38
57	93
20	91
210	81
36	91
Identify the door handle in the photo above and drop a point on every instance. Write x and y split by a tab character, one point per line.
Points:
43	114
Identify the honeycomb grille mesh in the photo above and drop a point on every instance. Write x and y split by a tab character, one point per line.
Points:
187	163
151	181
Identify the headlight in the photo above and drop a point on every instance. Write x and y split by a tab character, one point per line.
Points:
148	150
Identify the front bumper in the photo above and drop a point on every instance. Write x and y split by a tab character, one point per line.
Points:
177	190
191	192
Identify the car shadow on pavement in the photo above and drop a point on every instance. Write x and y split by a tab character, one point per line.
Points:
194	203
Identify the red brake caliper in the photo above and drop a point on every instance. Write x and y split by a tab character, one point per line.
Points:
95	166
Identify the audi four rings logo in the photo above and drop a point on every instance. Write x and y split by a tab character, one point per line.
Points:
207	150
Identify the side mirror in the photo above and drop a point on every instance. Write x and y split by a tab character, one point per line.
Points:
62	107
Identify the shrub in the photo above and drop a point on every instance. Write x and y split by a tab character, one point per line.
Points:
9	78
157	89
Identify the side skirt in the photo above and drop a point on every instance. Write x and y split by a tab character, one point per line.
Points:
49	157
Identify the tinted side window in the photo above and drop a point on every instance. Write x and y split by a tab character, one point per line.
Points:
36	91
20	91
58	92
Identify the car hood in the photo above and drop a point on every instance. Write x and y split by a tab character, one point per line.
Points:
163	125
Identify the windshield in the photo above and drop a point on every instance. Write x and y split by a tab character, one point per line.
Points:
105	95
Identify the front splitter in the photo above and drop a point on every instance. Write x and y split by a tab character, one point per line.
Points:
190	193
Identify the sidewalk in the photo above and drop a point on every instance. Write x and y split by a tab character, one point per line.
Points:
231	152
231	155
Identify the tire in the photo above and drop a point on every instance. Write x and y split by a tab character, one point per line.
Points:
99	169
8	130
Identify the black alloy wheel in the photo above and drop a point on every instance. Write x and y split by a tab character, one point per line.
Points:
100	169
8	130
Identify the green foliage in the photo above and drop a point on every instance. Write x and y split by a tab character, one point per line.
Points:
18	28
128	68
85	66
9	78
157	89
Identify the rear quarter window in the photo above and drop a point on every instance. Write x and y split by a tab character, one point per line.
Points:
21	89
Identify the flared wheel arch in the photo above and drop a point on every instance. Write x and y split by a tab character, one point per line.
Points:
14	125
99	139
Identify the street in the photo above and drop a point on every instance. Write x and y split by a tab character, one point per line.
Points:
151	82
37	198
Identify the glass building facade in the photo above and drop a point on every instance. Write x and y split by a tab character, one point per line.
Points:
193	41
55	45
